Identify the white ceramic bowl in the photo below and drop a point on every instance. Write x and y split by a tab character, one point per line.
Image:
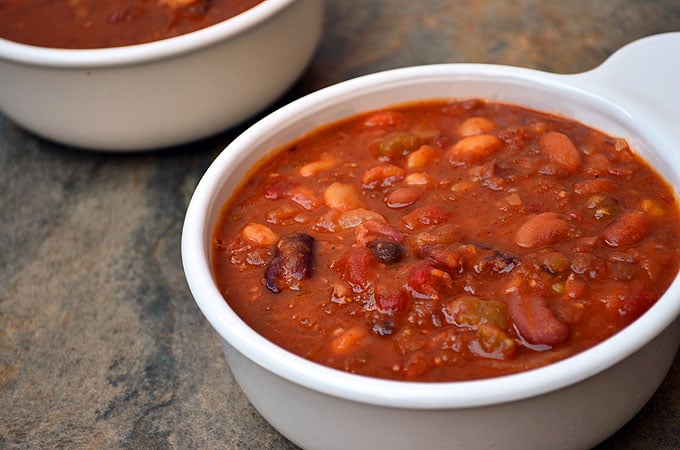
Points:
574	403
162	93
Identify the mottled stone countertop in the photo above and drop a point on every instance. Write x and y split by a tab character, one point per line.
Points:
101	344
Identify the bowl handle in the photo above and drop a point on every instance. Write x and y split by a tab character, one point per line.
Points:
642	76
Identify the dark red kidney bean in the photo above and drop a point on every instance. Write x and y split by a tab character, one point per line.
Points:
292	262
628	228
388	252
534	320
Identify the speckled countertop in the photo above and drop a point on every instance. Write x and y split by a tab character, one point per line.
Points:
101	344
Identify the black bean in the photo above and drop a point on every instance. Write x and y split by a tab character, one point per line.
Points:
388	252
500	262
383	328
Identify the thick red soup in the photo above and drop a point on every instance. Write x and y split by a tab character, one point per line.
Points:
447	240
109	23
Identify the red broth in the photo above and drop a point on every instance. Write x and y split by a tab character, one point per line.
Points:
446	240
81	24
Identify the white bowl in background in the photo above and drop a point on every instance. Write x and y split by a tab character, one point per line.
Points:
574	403
162	93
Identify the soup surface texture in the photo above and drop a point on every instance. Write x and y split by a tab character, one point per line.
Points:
109	23
446	240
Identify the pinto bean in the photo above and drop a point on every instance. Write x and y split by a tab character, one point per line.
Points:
542	229
446	233
473	149
560	150
372	230
293	261
629	228
403	197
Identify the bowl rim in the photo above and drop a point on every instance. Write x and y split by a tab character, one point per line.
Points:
137	53
389	393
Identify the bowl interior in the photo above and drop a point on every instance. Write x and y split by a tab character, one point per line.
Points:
535	90
131	54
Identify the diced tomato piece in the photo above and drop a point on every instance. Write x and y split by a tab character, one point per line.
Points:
629	298
356	266
428	281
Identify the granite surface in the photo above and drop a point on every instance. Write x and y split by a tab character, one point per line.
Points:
101	344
